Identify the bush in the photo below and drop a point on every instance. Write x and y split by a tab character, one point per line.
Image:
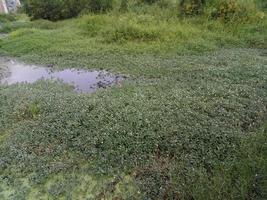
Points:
150	1
233	10
7	18
124	5
62	9
262	4
126	28
52	9
100	5
191	7
131	32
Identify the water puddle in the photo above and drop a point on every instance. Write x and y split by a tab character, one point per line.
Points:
82	80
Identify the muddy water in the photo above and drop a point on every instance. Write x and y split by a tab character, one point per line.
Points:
83	81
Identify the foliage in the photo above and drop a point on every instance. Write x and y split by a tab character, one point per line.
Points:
178	130
123	6
191	7
100	5
4	18
224	9
232	10
51	9
61	9
186	124
262	4
127	30
138	33
150	1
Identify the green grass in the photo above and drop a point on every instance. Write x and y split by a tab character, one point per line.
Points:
72	42
188	123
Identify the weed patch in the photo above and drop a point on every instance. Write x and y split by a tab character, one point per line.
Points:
188	124
194	131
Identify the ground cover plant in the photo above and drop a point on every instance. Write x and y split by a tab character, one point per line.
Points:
188	123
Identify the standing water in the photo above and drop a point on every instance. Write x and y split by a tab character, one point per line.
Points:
83	81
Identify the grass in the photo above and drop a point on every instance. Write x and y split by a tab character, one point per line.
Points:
71	42
189	123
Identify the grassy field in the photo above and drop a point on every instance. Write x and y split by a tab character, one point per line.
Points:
188	123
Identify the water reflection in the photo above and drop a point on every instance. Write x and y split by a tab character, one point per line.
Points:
82	80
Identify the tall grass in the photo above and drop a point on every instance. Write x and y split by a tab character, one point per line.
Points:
131	32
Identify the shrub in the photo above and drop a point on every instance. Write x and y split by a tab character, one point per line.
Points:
6	28
51	9
131	30
7	18
124	5
150	1
262	4
191	7
100	5
233	10
62	9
